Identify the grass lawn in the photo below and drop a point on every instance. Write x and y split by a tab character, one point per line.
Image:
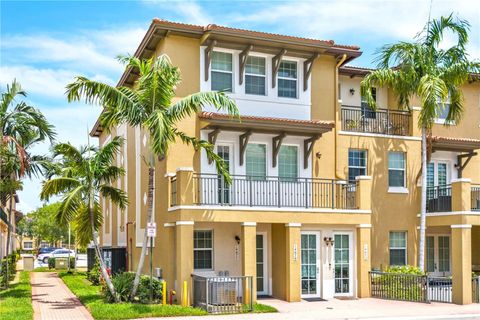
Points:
16	301
90	296
263	308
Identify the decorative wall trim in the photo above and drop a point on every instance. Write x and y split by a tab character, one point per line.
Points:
169	224
249	224
461	226
185	169
451	213
461	180
375	135
363	178
364	225
241	208
184	223
293	225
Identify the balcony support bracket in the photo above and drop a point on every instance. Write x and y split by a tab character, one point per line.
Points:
308	145
212	139
208	57
276	65
307	70
460	164
243	61
277	143
243	145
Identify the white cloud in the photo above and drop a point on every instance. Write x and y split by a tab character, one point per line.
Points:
190	11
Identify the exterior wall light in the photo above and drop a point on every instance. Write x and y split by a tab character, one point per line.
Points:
352	91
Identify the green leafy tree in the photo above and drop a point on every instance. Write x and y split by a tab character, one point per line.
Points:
86	174
422	69
21	127
150	105
41	224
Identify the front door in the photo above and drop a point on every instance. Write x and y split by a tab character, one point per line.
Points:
343	259
262	277
438	255
310	255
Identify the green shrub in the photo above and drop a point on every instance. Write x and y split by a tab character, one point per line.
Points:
94	275
123	283
401	283
12	269
51	263
405	270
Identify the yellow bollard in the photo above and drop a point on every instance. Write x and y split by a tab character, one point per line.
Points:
185	294
164	292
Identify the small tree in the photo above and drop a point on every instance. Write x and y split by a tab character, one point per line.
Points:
435	75
86	175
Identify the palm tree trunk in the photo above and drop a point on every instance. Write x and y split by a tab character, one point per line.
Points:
151	174
103	267
423	209
9	236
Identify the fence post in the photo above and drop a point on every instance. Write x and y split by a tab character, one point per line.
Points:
461	194
185	186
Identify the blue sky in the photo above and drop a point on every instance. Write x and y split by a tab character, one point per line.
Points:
44	44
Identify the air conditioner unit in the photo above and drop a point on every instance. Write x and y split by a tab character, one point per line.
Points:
222	291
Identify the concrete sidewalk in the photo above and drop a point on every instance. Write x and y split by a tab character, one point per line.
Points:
357	309
52	300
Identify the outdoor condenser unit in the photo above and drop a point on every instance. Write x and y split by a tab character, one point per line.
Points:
222	291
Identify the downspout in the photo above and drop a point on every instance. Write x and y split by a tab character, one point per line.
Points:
336	81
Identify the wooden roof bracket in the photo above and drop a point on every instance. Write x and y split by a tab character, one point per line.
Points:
308	148
277	143
243	61
276	65
307	70
208	57
243	145
460	166
212	139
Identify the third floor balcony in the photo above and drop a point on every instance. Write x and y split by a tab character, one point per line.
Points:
379	121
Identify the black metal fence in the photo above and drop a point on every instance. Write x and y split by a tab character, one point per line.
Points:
223	294
475	197
268	191
439	199
476	289
440	289
394	286
382	121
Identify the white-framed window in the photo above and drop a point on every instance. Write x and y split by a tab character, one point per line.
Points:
255	76
398	248
288	163
367	111
203	249
287	79
222	71
396	169
27	245
438	173
357	163
256	161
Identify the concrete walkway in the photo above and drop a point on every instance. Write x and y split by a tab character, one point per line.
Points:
52	299
356	309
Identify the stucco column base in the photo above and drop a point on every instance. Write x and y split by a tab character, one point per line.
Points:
249	259
461	264
292	262
363	260
183	259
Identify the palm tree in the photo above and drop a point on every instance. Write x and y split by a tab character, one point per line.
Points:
86	175
21	127
422	69
150	106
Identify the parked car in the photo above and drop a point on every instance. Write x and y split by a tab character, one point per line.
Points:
44	253
57	253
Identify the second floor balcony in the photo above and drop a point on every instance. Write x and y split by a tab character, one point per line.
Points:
211	190
379	121
443	199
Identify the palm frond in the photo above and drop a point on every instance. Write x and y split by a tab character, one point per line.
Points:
57	186
117	196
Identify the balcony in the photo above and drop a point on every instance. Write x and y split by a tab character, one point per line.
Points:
269	192
442	199
381	121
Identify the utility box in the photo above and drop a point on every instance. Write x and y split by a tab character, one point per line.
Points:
61	263
28	261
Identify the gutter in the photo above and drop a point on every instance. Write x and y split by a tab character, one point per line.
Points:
336	80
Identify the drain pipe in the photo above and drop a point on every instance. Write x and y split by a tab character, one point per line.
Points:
336	81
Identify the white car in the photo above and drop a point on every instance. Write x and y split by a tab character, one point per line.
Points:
59	253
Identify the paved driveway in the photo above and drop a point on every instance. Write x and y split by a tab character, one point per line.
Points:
358	309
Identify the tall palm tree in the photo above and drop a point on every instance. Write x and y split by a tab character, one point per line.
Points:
21	127
422	69
86	174
150	106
